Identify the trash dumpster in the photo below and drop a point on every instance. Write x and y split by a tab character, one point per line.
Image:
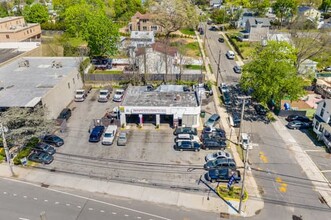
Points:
202	114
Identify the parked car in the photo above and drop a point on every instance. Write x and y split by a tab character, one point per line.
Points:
187	137
299	125
328	68
213	136
45	147
109	135
212	120
217	155
237	69
40	157
297	118
186	130
235	119
213	130
187	146
53	140
213	28
118	96
220	163
260	109
96	133
219	175
122	139
104	95
221	39
65	114
213	144
230	55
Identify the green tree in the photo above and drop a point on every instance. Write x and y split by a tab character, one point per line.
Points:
3	10
124	9
260	6
285	8
29	2
102	36
35	13
220	16
326	4
243	3
272	74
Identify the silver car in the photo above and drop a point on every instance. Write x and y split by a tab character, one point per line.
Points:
122	139
217	155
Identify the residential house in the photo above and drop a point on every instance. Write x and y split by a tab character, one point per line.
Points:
156	57
15	29
321	122
215	3
307	66
256	29
143	22
310	13
141	38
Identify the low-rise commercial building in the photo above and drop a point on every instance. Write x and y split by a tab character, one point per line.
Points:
166	104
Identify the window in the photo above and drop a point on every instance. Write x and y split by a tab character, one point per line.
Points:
68	85
7	36
322	112
144	28
154	28
73	80
324	104
316	125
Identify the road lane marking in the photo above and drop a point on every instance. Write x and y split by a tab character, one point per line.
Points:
282	186
67	204
56	203
325	171
126	215
263	157
90	209
89	199
114	213
35	198
23	219
79	207
102	211
14	194
25	197
138	217
5	193
45	200
279	180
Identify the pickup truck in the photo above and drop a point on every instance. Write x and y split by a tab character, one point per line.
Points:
81	94
104	95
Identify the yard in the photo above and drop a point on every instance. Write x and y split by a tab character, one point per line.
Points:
245	48
188	47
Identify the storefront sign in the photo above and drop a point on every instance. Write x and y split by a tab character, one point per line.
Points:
148	111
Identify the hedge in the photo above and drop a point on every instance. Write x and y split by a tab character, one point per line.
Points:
32	142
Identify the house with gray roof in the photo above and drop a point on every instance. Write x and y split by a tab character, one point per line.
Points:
256	29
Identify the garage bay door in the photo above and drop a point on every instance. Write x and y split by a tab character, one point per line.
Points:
189	120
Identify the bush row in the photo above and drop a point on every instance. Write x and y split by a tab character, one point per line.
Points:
26	150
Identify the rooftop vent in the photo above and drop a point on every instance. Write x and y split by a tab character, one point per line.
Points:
177	98
24	63
56	64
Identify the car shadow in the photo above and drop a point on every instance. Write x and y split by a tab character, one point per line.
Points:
313	137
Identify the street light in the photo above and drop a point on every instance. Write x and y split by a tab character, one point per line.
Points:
3	130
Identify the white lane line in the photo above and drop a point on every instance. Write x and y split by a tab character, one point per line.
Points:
138	217
90	209
35	198
314	150
25	197
114	213
325	171
102	211
45	200
89	199
79	207
14	194
23	219
56	203
5	193
67	204
126	215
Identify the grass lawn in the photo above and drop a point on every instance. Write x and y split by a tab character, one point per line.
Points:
310	113
190	48
75	42
187	31
240	151
233	193
246	48
107	72
194	67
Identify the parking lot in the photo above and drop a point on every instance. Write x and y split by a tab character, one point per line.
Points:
148	157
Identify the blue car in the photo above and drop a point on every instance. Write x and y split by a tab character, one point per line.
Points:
96	133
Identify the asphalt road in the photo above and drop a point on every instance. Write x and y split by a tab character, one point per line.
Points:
22	201
213	48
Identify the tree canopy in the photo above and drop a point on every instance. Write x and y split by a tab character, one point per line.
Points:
173	15
125	9
35	13
272	75
3	10
285	8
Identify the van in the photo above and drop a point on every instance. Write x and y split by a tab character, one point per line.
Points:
245	141
230	54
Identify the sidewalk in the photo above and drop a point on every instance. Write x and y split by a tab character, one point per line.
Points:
251	206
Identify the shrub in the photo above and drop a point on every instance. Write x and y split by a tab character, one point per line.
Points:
23	153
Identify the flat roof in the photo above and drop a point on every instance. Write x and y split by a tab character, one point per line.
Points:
25	86
7	54
139	96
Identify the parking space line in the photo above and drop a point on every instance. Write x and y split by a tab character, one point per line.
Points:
325	171
319	150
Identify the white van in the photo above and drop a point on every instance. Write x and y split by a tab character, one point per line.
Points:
230	55
245	141
109	135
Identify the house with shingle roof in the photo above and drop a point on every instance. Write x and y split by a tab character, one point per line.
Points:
256	29
143	22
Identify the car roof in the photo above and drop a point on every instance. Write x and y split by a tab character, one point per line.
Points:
214	116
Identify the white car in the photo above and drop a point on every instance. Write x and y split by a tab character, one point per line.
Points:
109	135
103	95
118	96
230	55
217	155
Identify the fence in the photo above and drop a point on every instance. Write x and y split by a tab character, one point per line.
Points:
141	77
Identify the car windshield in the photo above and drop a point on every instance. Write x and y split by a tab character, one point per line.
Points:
121	138
108	135
80	93
103	93
118	93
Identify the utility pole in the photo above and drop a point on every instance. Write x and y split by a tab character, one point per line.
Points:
2	129
243	98
218	67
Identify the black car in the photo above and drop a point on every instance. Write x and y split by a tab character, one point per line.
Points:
235	117
40	157
186	130
221	39
45	147
297	118
219	175
220	163
214	136
96	133
299	125
260	109
237	69
213	28
187	146
53	140
65	114
213	144
212	130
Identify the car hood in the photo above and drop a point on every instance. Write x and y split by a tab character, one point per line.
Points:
117	96
79	96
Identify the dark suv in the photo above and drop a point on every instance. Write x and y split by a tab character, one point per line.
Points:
96	133
297	118
213	144
65	114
